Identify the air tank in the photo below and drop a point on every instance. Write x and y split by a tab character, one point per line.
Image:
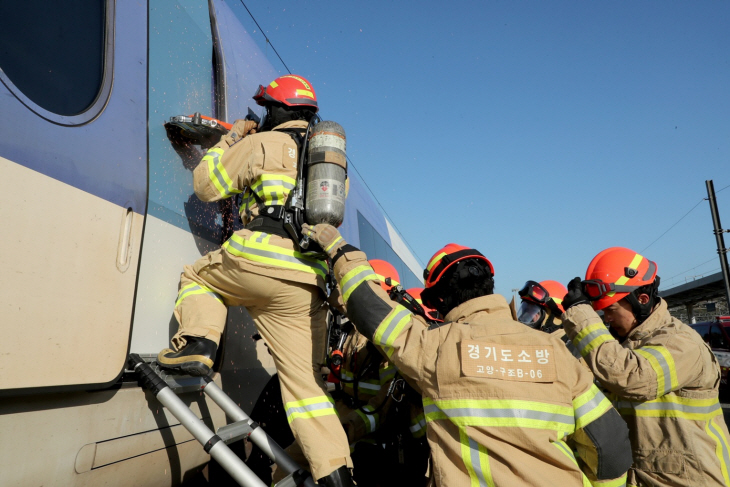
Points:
326	175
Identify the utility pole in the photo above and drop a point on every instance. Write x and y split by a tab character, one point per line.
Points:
721	250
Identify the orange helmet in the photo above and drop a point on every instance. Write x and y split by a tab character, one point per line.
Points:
431	313
445	258
539	299
385	272
615	273
290	90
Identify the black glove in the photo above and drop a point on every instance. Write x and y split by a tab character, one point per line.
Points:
575	294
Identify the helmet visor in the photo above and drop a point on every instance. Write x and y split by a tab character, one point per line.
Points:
535	292
530	314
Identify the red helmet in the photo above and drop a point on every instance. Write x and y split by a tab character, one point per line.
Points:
539	299
616	272
431	313
384	270
290	89
445	258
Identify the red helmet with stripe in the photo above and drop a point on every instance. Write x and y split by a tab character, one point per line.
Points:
447	257
290	90
384	270
616	272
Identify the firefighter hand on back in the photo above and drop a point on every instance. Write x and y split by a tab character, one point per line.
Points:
326	236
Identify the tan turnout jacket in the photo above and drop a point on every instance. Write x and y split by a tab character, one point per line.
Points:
505	405
264	164
664	382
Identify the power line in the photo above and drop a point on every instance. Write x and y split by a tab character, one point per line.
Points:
265	37
348	157
728	186
675	224
692	268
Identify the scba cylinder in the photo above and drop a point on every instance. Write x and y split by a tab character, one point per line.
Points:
326	175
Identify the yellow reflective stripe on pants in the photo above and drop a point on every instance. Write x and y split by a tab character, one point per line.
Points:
501	413
196	288
418	426
274	255
387	373
371	420
273	189
591	337
590	406
476	460
721	448
369	387
310	408
391	327
619	482
354	278
663	364
217	173
672	406
565	449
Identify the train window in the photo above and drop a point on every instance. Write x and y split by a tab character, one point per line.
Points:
375	247
52	55
717	338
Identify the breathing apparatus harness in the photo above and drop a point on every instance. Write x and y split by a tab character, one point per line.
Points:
286	220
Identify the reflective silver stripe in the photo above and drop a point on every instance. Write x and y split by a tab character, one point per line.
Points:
590	405
663	364
309	408
723	443
260	238
355	280
275	255
668	406
392	323
476	464
366	385
421	424
591	336
218	175
508	413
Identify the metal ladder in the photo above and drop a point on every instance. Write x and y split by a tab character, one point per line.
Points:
216	444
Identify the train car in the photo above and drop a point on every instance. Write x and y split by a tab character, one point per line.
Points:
99	216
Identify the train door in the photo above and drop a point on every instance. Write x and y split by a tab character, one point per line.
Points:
73	155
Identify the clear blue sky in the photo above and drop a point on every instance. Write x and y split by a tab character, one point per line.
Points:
537	132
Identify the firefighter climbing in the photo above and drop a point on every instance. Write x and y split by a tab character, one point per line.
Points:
263	268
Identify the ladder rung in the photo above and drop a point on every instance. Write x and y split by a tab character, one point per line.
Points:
233	432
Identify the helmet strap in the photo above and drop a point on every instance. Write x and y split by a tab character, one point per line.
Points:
642	311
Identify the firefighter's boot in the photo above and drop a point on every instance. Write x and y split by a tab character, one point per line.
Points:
195	358
339	478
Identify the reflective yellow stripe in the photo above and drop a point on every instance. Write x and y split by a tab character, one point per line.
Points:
372	421
623	279
501	413
434	261
273	189
338	239
196	288
382	278
721	448
418	426
246	203
565	450
306	93
354	278
619	482
476	460
672	406
663	364
391	327
590	406
591	337
387	373
310	408
273	255
217	173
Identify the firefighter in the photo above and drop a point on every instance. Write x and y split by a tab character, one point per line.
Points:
502	402
260	268
363	401
542	307
662	375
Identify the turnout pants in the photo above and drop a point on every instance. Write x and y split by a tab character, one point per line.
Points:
292	318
